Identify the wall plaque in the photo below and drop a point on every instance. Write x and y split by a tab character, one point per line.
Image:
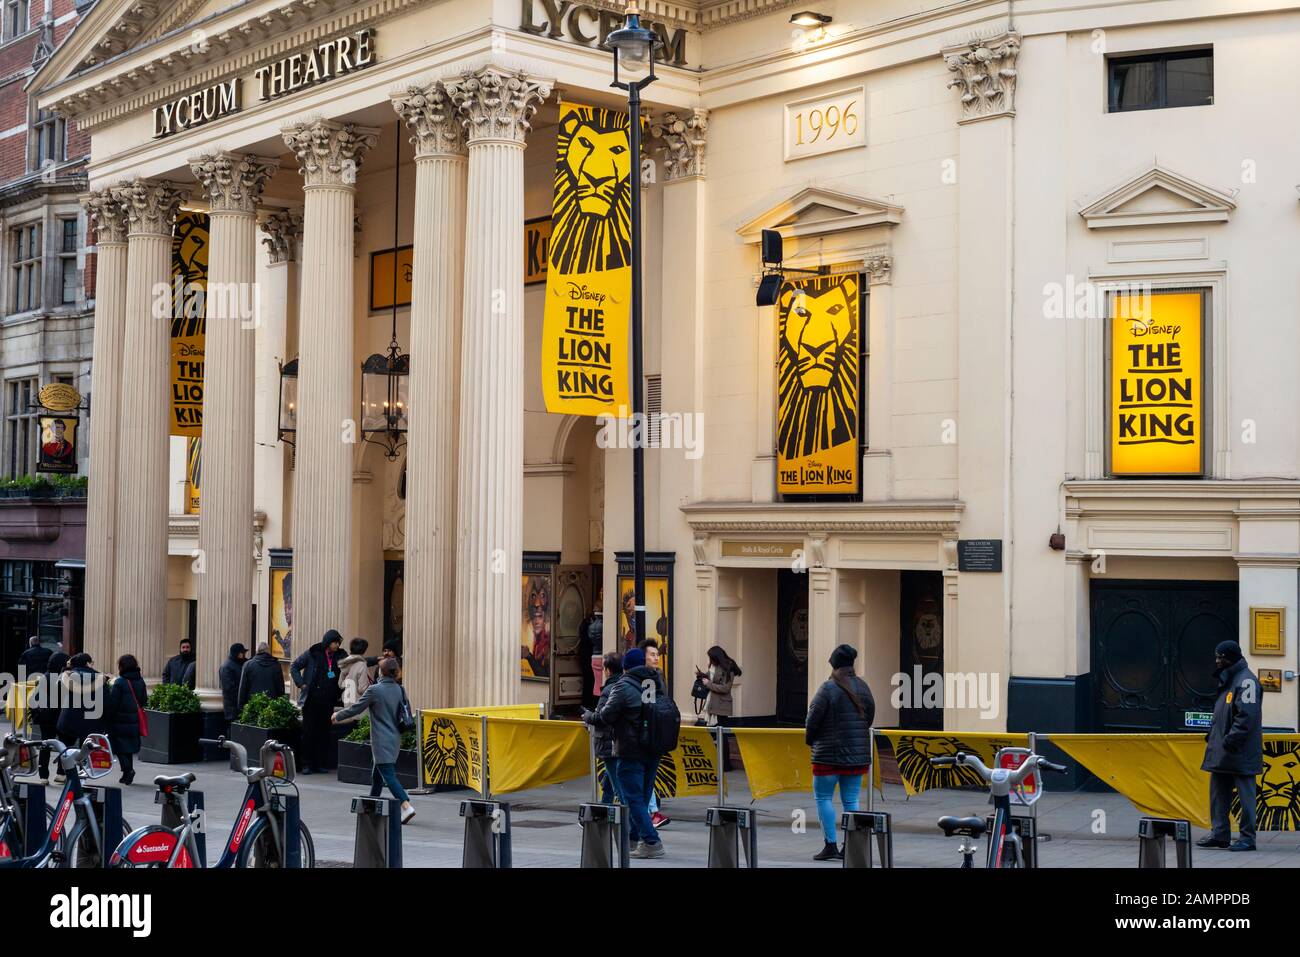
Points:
979	555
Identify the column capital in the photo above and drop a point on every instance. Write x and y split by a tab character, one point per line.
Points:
108	214
684	138
433	119
233	181
496	102
150	205
329	153
986	75
283	231
879	269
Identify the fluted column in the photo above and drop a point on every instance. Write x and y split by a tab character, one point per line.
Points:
496	105
144	436
328	156
234	187
106	388
438	265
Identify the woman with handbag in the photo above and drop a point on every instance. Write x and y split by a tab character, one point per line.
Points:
712	693
124	714
390	716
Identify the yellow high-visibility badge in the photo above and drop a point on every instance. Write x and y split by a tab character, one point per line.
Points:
1229	698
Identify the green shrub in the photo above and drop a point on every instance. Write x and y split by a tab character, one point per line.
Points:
176	699
361	735
263	711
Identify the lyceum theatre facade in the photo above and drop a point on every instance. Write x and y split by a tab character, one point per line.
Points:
1010	427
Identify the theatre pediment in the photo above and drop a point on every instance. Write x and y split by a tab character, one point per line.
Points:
817	211
1156	197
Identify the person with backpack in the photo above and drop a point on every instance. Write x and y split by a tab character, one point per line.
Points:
838	730
645	724
124	714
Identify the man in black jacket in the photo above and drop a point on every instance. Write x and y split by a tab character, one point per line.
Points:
232	670
316	673
34	660
177	666
622	712
1234	749
261	675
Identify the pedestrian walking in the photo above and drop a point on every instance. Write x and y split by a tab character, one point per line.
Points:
46	717
316	673
1234	749
126	700
84	701
35	659
650	648
261	675
232	669
390	716
179	665
602	738
838	730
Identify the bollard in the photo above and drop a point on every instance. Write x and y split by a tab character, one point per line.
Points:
378	840
487	833
1026	827
604	835
107	805
171	819
858	827
1152	832
31	805
732	829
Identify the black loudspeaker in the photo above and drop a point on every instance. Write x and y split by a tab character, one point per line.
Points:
772	252
769	287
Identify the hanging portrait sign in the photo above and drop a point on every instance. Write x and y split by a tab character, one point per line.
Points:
538	618
189	310
818	373
382	282
658	605
58	452
589	272
1157	384
280	617
537	238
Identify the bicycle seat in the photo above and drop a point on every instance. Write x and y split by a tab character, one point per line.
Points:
178	784
969	826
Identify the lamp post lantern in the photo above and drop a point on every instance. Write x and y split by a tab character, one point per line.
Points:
634	49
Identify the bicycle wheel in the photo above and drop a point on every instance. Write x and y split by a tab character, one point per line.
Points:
261	852
79	848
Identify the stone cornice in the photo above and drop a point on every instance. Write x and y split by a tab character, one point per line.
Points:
928	518
233	182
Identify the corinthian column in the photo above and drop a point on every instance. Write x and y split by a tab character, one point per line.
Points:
106	387
140	585
328	157
438	264
234	186
496	105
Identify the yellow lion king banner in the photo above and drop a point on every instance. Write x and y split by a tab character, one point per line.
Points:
818	372
914	749
589	269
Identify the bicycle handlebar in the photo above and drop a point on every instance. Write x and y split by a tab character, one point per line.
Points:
1015	776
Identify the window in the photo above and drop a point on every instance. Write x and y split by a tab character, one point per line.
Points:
68	260
20	427
49	135
15	18
26	258
1157	81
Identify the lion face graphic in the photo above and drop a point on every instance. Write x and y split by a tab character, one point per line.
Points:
913	753
818	363
1277	800
446	759
593	200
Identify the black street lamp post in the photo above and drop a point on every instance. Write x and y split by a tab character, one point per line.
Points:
634	49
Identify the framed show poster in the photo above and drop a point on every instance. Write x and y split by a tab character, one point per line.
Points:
1267	630
280	619
58	449
536	620
387	290
658	605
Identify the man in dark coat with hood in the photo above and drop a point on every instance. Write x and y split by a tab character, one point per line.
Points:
1234	748
177	667
231	671
261	675
316	673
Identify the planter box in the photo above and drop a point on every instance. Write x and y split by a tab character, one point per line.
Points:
172	738
252	738
355	763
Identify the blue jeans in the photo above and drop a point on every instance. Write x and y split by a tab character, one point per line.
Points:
609	792
636	779
824	792
387	773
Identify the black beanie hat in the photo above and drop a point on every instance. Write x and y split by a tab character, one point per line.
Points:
332	636
1229	650
843	656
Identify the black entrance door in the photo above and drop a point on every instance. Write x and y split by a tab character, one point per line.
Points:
920	651
15	629
791	647
1153	651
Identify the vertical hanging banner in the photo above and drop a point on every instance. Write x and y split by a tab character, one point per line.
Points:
818	372
188	312
1157	384
589	271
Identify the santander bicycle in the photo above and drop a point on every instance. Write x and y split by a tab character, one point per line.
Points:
17	757
258	837
82	846
1004	847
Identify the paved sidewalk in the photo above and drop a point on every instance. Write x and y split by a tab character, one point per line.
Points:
546	832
